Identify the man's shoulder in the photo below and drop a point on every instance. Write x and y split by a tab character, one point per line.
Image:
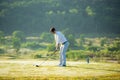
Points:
58	32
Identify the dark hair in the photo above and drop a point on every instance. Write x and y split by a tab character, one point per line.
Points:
52	29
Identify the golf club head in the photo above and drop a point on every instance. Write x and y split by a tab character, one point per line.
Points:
37	65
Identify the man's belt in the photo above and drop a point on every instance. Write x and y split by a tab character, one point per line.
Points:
64	42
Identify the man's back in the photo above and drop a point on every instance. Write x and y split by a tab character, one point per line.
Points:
59	37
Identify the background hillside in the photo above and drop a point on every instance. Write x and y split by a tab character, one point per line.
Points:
80	16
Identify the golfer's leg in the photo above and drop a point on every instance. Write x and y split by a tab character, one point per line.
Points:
63	57
61	50
64	53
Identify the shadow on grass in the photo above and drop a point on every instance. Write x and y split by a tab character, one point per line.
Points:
104	69
93	68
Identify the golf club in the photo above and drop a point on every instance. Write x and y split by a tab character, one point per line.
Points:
37	65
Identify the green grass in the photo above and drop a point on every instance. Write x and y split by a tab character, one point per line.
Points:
24	70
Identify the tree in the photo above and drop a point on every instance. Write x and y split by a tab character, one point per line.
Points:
46	37
90	43
51	47
80	16
82	40
117	43
103	41
93	48
1	37
17	38
66	32
19	34
72	41
16	44
115	46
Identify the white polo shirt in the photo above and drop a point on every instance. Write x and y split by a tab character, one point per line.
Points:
59	38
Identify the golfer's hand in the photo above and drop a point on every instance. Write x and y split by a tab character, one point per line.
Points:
57	46
56	49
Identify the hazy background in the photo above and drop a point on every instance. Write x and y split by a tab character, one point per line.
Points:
92	28
79	16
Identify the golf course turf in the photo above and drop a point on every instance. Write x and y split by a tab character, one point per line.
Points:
25	70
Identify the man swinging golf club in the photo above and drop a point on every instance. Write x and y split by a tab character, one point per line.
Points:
62	43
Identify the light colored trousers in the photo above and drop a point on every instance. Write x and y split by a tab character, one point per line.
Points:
63	49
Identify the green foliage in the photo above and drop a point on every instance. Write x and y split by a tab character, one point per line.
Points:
18	34
1	34
17	38
46	37
82	40
80	16
2	37
103	41
51	47
74	11
71	40
93	48
113	48
2	51
90	43
89	11
66	32
82	37
16	43
118	58
117	44
76	55
32	45
37	56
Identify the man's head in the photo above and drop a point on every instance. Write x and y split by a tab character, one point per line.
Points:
52	30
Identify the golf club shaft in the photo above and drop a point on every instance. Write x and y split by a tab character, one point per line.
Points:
48	57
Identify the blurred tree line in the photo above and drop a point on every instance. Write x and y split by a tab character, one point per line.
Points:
74	18
80	16
81	46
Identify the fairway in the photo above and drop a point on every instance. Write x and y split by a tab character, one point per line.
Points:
25	70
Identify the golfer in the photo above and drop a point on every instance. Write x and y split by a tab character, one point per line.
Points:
62	43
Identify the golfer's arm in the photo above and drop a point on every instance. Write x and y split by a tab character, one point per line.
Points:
57	42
